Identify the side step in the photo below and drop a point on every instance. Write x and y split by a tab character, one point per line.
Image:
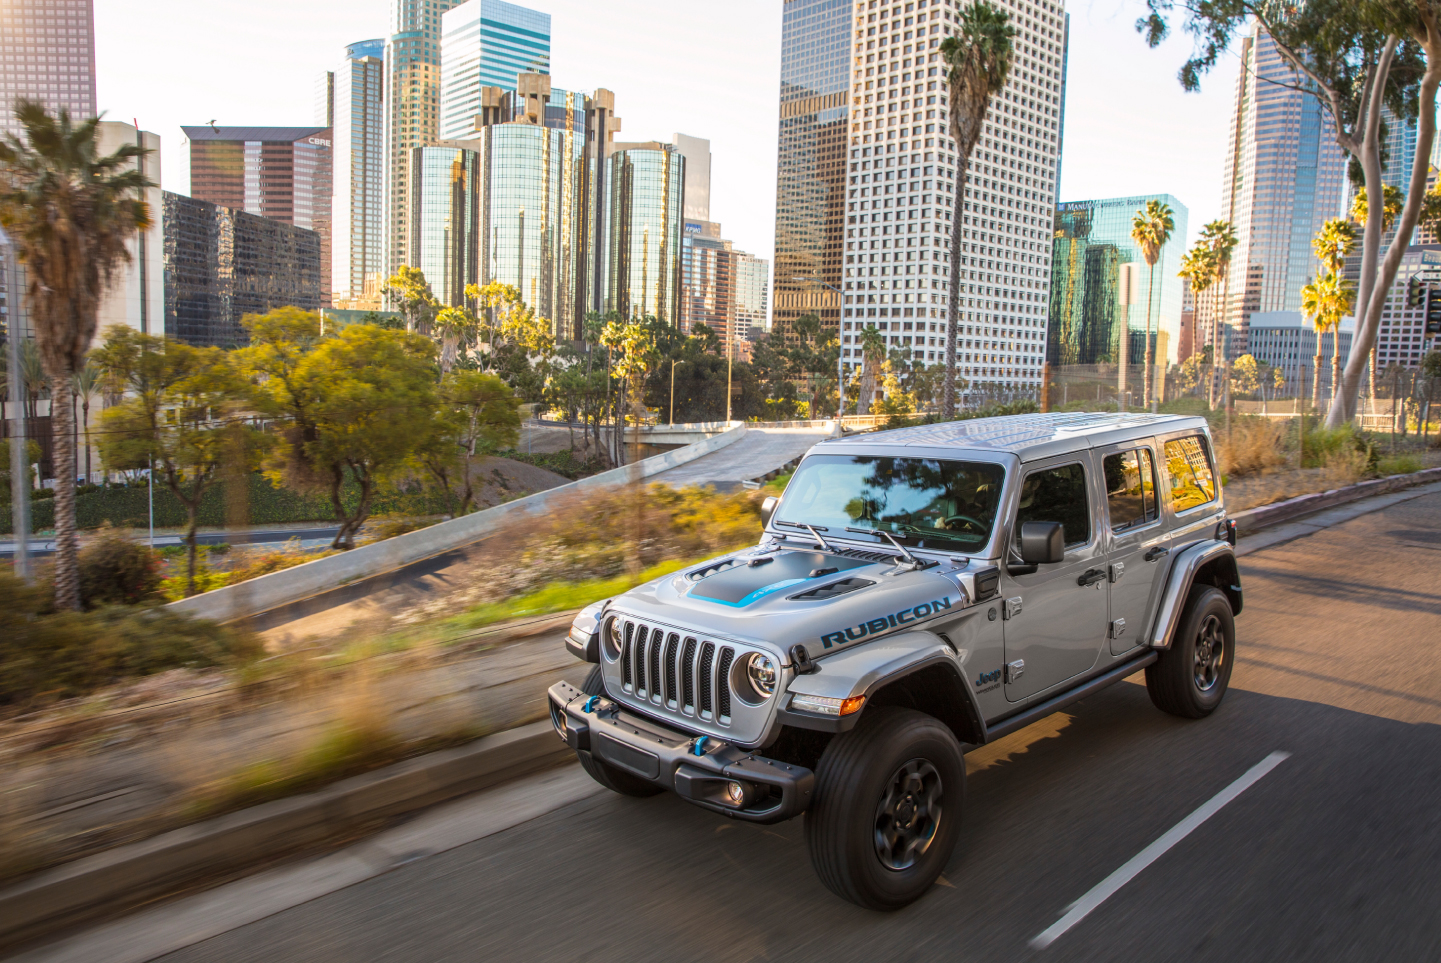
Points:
1025	717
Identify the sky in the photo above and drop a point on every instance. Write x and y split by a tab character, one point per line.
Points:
705	69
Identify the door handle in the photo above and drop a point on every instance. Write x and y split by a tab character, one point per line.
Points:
1160	551
1091	577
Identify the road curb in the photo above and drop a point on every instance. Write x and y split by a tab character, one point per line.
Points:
129	875
1255	519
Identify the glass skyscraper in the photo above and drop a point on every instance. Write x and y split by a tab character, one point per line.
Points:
412	109
486	43
901	200
646	203
1284	177
1092	240
811	159
49	56
357	111
444	219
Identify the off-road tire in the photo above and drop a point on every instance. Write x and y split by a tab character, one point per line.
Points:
607	775
853	779
1180	682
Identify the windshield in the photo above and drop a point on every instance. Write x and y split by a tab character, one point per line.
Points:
929	503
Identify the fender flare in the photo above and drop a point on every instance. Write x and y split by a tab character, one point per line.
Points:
865	670
1182	576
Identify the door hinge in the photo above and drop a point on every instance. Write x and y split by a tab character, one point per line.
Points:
1118	628
1012	609
1117	570
1014	670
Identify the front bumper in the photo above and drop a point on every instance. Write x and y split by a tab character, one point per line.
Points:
699	769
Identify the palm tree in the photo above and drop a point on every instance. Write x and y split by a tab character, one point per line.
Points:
873	354
1325	301
453	325
84	385
70	213
1151	229
1332	243
1196	269
978	58
1220	237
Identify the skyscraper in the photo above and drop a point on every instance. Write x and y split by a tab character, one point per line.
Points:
48	56
1284	177
357	111
696	151
811	158
1087	314
443	214
486	43
647	188
902	202
721	287
412	109
136	296
283	173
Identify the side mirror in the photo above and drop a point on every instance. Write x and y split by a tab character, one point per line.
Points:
768	508
1042	543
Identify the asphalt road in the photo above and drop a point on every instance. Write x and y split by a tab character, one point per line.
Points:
1332	856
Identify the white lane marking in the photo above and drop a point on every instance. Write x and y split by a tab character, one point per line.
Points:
1108	886
163	929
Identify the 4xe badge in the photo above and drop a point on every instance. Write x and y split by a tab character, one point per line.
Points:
877	626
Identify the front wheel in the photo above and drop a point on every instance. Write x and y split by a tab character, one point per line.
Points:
607	775
887	808
1190	678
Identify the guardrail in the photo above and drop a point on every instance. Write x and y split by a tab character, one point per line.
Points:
322	575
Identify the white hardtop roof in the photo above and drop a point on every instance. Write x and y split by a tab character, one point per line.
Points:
1025	436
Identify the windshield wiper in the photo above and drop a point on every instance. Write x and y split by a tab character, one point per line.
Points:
887	536
814	530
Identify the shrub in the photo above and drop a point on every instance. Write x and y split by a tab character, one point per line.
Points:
1398	465
115	570
47	655
1254	446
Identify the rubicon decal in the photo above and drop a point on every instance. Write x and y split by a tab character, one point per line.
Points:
879	625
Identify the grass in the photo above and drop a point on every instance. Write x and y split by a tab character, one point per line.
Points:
560	597
778	484
1398	465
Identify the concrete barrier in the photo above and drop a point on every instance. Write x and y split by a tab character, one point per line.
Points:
1254	519
303	581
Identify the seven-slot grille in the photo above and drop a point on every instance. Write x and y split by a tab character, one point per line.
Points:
674	670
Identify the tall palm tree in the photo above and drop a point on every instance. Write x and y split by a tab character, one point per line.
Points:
1196	269
85	385
1151	229
1332	243
873	355
70	213
1325	301
1220	237
978	58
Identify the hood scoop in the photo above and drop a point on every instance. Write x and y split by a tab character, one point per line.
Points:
823	592
740	585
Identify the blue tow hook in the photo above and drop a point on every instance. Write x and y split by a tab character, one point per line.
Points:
699	749
590	703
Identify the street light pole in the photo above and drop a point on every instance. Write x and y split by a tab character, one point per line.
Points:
840	353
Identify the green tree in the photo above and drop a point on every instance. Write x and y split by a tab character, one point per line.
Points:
1151	229
873	355
352	407
85	385
1245	375
977	58
1220	238
70	213
454	325
475	409
631	342
408	290
172	420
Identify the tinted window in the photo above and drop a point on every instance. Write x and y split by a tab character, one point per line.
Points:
1189	468
935	504
1130	488
1057	495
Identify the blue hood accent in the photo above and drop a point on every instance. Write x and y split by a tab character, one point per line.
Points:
742	585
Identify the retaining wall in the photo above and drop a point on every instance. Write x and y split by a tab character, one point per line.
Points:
303	581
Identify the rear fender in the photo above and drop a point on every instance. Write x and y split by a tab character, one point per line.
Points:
1204	563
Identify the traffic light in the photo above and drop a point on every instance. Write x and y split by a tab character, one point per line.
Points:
1415	292
1433	310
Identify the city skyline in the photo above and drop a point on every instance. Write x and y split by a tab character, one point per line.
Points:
730	60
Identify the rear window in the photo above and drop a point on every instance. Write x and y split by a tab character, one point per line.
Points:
1188	465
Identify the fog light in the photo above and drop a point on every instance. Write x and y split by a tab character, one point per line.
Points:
557	718
736	793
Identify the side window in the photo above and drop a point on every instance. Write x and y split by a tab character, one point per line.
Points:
1189	466
1130	488
1057	495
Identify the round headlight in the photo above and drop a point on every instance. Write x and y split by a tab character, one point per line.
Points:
761	671
610	640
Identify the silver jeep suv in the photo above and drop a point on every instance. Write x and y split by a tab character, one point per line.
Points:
916	593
